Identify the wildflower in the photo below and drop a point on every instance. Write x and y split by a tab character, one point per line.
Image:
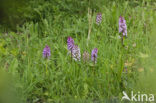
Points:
94	55
76	53
86	56
122	26
46	52
70	43
98	18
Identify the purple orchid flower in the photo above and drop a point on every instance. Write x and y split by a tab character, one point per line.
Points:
94	55
46	52
76	53
98	18
70	43
122	26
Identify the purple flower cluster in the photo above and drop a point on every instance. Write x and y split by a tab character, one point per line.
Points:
122	26
70	43
76	53
46	52
94	55
98	18
73	49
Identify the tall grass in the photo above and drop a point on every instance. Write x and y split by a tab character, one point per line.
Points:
66	81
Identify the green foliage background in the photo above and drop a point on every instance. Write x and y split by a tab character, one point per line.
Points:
27	26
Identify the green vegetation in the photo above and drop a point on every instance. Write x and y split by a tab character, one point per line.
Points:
33	79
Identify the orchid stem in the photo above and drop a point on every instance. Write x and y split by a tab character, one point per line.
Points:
122	41
46	68
71	55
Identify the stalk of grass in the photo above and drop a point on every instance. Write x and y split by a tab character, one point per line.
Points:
89	24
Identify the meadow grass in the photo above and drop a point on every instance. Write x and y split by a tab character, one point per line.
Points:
60	80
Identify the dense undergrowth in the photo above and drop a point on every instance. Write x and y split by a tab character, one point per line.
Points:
60	80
